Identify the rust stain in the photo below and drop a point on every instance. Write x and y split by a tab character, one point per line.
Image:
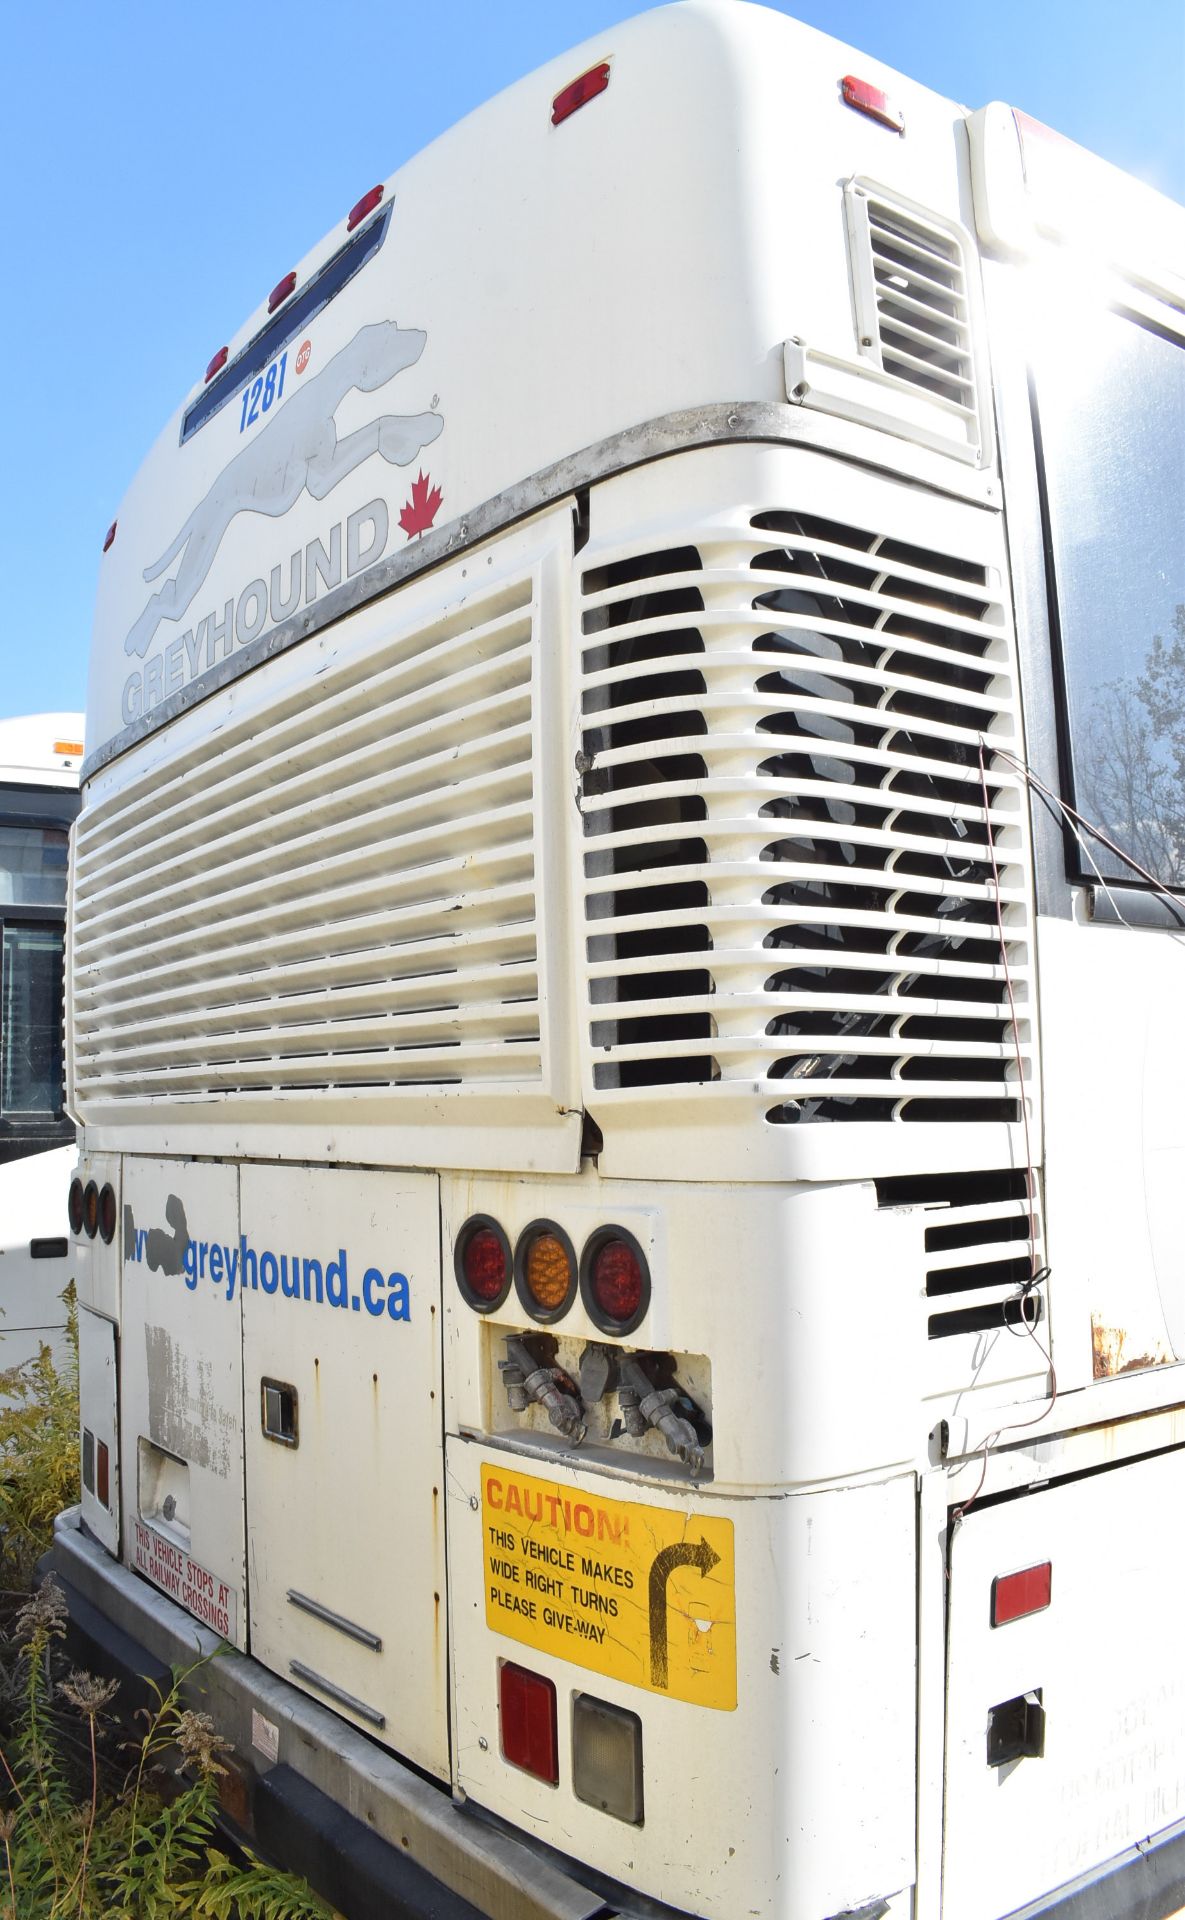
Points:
1112	1358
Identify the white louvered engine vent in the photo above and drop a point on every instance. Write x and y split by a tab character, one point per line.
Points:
981	1245
788	860
917	308
337	895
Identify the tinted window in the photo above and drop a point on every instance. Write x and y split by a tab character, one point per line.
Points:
1111	408
291	319
33	866
31	1021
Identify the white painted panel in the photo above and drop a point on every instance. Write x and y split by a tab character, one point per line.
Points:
183	1380
1108	1657
342	1307
824	1617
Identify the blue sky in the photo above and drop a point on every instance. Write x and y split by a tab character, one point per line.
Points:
162	164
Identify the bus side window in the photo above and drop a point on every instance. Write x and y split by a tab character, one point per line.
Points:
1110	401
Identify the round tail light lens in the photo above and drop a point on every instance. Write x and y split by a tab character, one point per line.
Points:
545	1270
482	1263
90	1209
615	1280
107	1214
74	1207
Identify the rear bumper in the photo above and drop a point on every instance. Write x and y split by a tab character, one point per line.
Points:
369	1833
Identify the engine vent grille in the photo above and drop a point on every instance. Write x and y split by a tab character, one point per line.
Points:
787	870
980	1247
339	895
916	308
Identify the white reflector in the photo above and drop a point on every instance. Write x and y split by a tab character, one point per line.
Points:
607	1758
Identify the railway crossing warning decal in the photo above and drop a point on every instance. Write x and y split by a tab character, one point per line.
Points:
644	1594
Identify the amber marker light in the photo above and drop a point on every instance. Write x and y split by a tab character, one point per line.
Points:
545	1270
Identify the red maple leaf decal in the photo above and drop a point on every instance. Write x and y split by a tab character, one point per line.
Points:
421	510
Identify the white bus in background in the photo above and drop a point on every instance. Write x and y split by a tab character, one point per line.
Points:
626	1015
40	757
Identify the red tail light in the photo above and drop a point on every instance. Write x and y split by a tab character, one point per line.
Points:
482	1263
361	208
527	1707
74	1207
90	1209
615	1280
280	292
107	1210
103	1474
1015	1594
216	365
579	92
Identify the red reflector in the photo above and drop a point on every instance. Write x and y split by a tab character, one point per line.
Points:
617	1280
1015	1594
216	365
279	294
527	1704
579	92
110	535
103	1474
361	208
870	100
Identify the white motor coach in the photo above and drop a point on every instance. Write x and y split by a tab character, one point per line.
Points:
40	757
625	1016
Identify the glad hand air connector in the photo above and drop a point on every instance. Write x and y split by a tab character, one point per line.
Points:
643	1404
526	1378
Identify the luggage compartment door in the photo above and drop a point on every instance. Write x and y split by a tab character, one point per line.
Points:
181	1451
1066	1723
345	1523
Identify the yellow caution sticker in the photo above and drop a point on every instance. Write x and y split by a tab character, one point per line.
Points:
644	1594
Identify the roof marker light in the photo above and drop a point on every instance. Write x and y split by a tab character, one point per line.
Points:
870	100
281	291
68	747
110	535
579	92
361	208
216	365
1016	1594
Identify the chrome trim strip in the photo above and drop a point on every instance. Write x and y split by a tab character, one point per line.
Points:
332	1619
344	1699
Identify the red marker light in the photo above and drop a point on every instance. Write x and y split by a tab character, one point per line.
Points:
110	535
579	92
361	208
527	1703
216	365
1015	1594
279	293
103	1475
870	100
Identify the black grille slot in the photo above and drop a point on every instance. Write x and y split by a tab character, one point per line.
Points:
981	1245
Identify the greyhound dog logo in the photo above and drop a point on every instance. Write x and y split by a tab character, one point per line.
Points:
298	448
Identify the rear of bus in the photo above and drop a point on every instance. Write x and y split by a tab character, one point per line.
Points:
40	758
554	1033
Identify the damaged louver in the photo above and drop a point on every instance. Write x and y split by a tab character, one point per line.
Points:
788	882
